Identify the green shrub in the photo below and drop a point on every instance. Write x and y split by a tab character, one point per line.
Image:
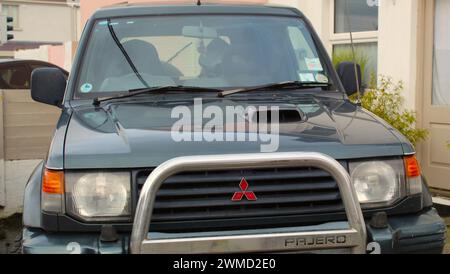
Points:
385	100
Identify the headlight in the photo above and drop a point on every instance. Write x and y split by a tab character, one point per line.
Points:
378	183
99	196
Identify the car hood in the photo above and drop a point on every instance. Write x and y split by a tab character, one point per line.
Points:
138	134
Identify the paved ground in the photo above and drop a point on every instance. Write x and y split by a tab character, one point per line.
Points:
9	230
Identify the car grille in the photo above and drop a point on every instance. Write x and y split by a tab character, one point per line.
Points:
201	201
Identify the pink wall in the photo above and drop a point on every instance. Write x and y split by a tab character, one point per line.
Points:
89	6
56	55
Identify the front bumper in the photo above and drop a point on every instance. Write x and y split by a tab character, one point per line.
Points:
416	233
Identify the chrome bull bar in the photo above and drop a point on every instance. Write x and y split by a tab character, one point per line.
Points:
353	238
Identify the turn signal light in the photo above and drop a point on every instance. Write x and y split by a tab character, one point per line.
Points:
412	167
53	182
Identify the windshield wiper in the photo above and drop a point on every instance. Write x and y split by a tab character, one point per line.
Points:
281	85
154	90
125	54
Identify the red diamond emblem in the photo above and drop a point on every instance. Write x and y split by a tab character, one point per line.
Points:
249	195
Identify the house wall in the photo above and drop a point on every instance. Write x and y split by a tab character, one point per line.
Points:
60	55
57	20
397	54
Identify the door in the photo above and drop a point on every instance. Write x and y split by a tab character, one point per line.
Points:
436	94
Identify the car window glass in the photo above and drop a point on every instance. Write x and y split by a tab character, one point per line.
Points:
206	51
15	77
301	47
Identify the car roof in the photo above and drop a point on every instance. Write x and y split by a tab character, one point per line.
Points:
3	61
6	62
139	9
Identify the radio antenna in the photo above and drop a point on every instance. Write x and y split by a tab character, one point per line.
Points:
358	91
199	2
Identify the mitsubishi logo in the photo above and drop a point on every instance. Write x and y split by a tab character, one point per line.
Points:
249	195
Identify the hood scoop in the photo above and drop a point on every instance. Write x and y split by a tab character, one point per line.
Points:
285	115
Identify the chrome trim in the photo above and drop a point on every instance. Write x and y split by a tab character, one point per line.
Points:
355	236
53	168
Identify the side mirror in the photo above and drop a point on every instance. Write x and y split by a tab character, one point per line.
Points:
346	72
48	86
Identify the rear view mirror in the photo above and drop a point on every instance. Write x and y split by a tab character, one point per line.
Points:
48	86
200	32
346	72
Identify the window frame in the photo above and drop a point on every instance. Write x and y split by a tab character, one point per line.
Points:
344	38
16	23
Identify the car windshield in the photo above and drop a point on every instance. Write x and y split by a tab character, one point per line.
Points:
214	51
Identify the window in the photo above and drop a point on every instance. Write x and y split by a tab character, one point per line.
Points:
301	47
12	11
217	51
16	77
441	56
362	15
